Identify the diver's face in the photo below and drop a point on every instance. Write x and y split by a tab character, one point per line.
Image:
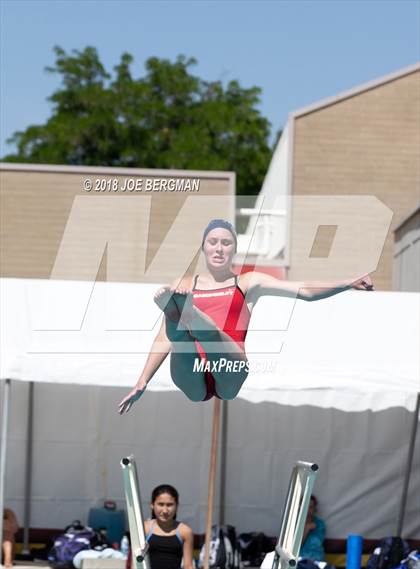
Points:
164	507
219	248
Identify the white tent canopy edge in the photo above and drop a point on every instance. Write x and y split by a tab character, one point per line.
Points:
363	347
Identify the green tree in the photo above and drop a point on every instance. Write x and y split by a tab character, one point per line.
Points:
167	119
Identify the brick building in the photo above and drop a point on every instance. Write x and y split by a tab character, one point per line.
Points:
364	142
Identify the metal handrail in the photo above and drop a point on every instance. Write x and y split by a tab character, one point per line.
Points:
139	544
294	515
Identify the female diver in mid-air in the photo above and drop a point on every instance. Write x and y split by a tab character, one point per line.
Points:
206	319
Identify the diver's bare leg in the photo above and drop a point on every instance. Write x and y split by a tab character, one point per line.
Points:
175	330
191	382
218	346
183	352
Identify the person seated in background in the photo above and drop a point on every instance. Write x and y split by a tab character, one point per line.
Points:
312	541
313	534
10	529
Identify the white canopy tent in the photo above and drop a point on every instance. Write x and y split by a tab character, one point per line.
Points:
334	382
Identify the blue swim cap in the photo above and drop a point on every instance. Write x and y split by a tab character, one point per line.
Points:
214	223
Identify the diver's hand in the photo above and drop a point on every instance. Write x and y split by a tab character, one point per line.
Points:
129	400
365	283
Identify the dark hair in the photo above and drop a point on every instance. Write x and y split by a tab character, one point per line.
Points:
165	489
214	223
314	499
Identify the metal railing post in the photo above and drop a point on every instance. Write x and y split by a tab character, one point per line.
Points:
139	545
294	515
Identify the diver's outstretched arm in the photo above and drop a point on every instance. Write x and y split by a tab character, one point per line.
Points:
160	349
260	284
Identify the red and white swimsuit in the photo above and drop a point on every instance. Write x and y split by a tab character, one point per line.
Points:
227	308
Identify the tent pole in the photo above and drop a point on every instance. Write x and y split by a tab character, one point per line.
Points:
407	473
223	451
3	447
212	478
28	470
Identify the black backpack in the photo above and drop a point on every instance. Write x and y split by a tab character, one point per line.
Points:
224	549
254	546
388	554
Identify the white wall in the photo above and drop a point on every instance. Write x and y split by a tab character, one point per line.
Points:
79	440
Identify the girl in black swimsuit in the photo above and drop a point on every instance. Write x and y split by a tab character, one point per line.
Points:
170	541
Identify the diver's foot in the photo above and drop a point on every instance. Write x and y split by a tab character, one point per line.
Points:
164	299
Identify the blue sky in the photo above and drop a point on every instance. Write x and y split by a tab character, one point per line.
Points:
298	51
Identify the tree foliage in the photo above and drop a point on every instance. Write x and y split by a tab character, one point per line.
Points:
169	118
